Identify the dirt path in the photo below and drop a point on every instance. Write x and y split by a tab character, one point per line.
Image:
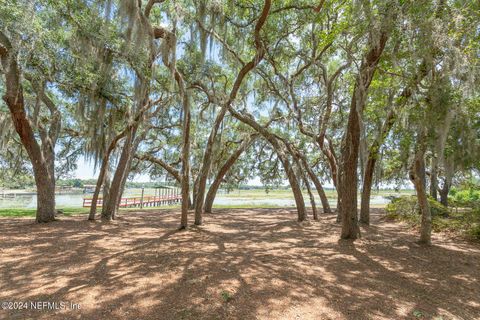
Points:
242	264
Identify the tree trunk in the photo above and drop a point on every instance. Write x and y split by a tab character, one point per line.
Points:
205	169
367	188
277	146
444	194
298	161
417	176
185	161
98	186
339	208
45	200
447	183
318	185
103	171
434	178
212	191
310	195
106	189
372	160
348	176
115	188
297	191
259	54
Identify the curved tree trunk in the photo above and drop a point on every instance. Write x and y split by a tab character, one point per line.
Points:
205	169
127	171
297	191
317	183
98	186
259	54
212	191
298	161
101	175
387	126
310	195
276	145
115	188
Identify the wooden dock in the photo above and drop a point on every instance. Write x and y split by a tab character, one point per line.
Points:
141	202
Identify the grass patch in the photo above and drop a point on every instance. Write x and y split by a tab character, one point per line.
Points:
14	213
30	212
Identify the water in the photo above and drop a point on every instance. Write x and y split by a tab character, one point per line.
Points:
76	200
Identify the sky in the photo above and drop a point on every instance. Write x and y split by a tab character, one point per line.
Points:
85	170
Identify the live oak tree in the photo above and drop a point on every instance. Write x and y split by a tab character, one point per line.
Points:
29	72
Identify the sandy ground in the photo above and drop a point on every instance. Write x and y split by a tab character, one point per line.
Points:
241	264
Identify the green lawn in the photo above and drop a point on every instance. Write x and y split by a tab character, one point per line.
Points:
31	212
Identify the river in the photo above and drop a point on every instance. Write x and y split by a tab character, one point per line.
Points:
75	200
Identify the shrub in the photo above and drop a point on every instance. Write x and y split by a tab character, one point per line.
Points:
405	206
474	231
467	197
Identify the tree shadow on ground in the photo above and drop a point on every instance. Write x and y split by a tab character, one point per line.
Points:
241	264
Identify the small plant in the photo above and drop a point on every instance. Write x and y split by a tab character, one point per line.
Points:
226	296
418	314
